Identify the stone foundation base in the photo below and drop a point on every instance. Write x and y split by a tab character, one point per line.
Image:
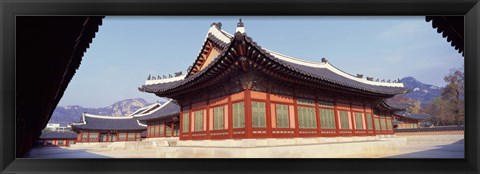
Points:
276	141
337	147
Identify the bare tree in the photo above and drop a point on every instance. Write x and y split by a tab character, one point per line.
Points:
453	93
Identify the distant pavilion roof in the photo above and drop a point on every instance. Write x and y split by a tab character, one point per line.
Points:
412	116
146	110
168	110
322	73
396	122
97	122
391	107
58	135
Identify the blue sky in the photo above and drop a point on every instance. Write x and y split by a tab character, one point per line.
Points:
127	49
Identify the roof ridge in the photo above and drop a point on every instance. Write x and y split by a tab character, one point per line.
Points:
107	117
161	106
172	79
143	109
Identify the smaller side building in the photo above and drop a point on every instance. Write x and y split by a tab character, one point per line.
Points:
96	128
55	138
406	120
162	122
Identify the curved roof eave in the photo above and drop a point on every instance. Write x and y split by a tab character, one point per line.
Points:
292	61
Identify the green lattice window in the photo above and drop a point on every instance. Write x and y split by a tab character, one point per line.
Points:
282	115
131	136
258	114
162	128
369	121
377	123
122	136
327	119
218	118
185	123
344	122
155	129
198	121
358	120
382	119
239	115
168	131
306	117
93	137
389	124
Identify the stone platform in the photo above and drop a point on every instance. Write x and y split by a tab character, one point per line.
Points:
336	147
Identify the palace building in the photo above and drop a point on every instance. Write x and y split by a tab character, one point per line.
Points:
163	122
96	128
237	89
406	120
57	138
155	120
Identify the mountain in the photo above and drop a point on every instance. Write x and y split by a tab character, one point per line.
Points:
420	91
68	114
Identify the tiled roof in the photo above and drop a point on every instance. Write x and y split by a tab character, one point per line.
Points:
167	110
412	116
146	110
58	135
94	122
395	122
397	106
324	71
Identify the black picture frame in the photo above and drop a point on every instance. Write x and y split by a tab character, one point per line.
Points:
10	9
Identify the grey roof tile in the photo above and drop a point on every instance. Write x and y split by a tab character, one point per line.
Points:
167	110
96	123
58	135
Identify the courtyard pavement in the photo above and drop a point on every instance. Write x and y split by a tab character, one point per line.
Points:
450	150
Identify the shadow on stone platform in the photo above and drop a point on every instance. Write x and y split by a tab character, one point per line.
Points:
453	150
61	152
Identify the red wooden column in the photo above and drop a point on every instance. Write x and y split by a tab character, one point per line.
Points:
180	129
317	116
268	115
173	129
352	117
391	123
366	121
164	130
190	115
230	117
248	114
337	119
373	123
207	119
295	117
386	125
